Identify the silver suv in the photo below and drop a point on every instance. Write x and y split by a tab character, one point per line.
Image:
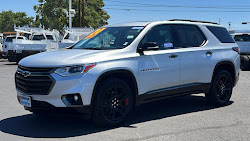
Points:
120	66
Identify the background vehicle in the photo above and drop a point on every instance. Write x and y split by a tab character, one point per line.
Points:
1	50
40	40
120	66
243	41
73	35
8	42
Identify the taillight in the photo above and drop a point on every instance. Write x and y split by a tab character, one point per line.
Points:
236	49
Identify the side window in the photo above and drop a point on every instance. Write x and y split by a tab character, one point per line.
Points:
200	36
221	34
187	36
161	35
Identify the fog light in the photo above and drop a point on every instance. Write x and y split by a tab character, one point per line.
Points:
72	100
75	97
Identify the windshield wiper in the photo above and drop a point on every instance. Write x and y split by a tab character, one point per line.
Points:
94	48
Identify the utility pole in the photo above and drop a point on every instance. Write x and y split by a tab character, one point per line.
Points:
79	12
83	22
69	13
70	18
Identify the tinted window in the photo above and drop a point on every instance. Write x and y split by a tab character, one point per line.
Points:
38	37
242	38
187	36
200	36
20	38
161	35
221	33
10	39
49	37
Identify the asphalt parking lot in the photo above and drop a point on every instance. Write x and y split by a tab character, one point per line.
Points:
182	118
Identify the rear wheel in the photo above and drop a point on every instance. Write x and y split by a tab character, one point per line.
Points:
221	89
244	63
113	103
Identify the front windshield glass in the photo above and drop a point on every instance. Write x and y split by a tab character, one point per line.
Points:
38	37
10	39
109	38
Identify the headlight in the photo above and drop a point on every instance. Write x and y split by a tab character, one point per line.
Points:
74	70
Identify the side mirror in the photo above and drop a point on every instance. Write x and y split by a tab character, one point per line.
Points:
148	46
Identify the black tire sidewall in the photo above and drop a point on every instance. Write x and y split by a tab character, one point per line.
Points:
97	114
212	97
244	63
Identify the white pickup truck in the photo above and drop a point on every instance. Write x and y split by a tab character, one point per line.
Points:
243	41
40	41
8	42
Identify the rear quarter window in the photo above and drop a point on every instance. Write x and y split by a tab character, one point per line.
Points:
221	34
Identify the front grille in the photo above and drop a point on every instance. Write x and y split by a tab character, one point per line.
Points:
39	82
40	70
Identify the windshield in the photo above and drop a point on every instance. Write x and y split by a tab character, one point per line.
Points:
109	38
10	39
242	38
41	37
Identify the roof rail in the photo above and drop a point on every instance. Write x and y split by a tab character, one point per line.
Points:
193	21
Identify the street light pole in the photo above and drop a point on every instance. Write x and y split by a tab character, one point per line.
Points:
83	4
229	25
79	12
70	18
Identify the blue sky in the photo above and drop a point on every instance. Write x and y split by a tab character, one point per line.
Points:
185	11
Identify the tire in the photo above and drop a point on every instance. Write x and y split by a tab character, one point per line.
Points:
221	89
244	63
112	103
40	115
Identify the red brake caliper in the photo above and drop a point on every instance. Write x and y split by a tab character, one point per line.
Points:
126	102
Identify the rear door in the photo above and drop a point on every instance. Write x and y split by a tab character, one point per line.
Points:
195	59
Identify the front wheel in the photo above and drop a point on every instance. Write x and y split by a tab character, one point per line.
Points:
221	89
112	103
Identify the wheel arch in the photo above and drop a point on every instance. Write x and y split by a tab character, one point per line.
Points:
228	66
122	74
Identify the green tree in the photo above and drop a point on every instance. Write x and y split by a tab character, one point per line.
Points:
8	19
50	13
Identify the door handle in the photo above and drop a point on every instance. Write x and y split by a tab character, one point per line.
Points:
209	52
173	56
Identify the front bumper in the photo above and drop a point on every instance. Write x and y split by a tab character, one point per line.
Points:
79	84
44	107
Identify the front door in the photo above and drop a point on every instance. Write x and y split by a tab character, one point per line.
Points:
159	70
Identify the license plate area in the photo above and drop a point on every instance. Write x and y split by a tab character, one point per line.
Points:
25	101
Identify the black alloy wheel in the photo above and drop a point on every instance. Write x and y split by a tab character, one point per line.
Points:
221	89
224	88
113	103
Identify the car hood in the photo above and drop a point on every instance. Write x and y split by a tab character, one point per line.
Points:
67	57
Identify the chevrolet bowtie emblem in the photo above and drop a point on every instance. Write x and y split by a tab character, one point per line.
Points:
24	73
